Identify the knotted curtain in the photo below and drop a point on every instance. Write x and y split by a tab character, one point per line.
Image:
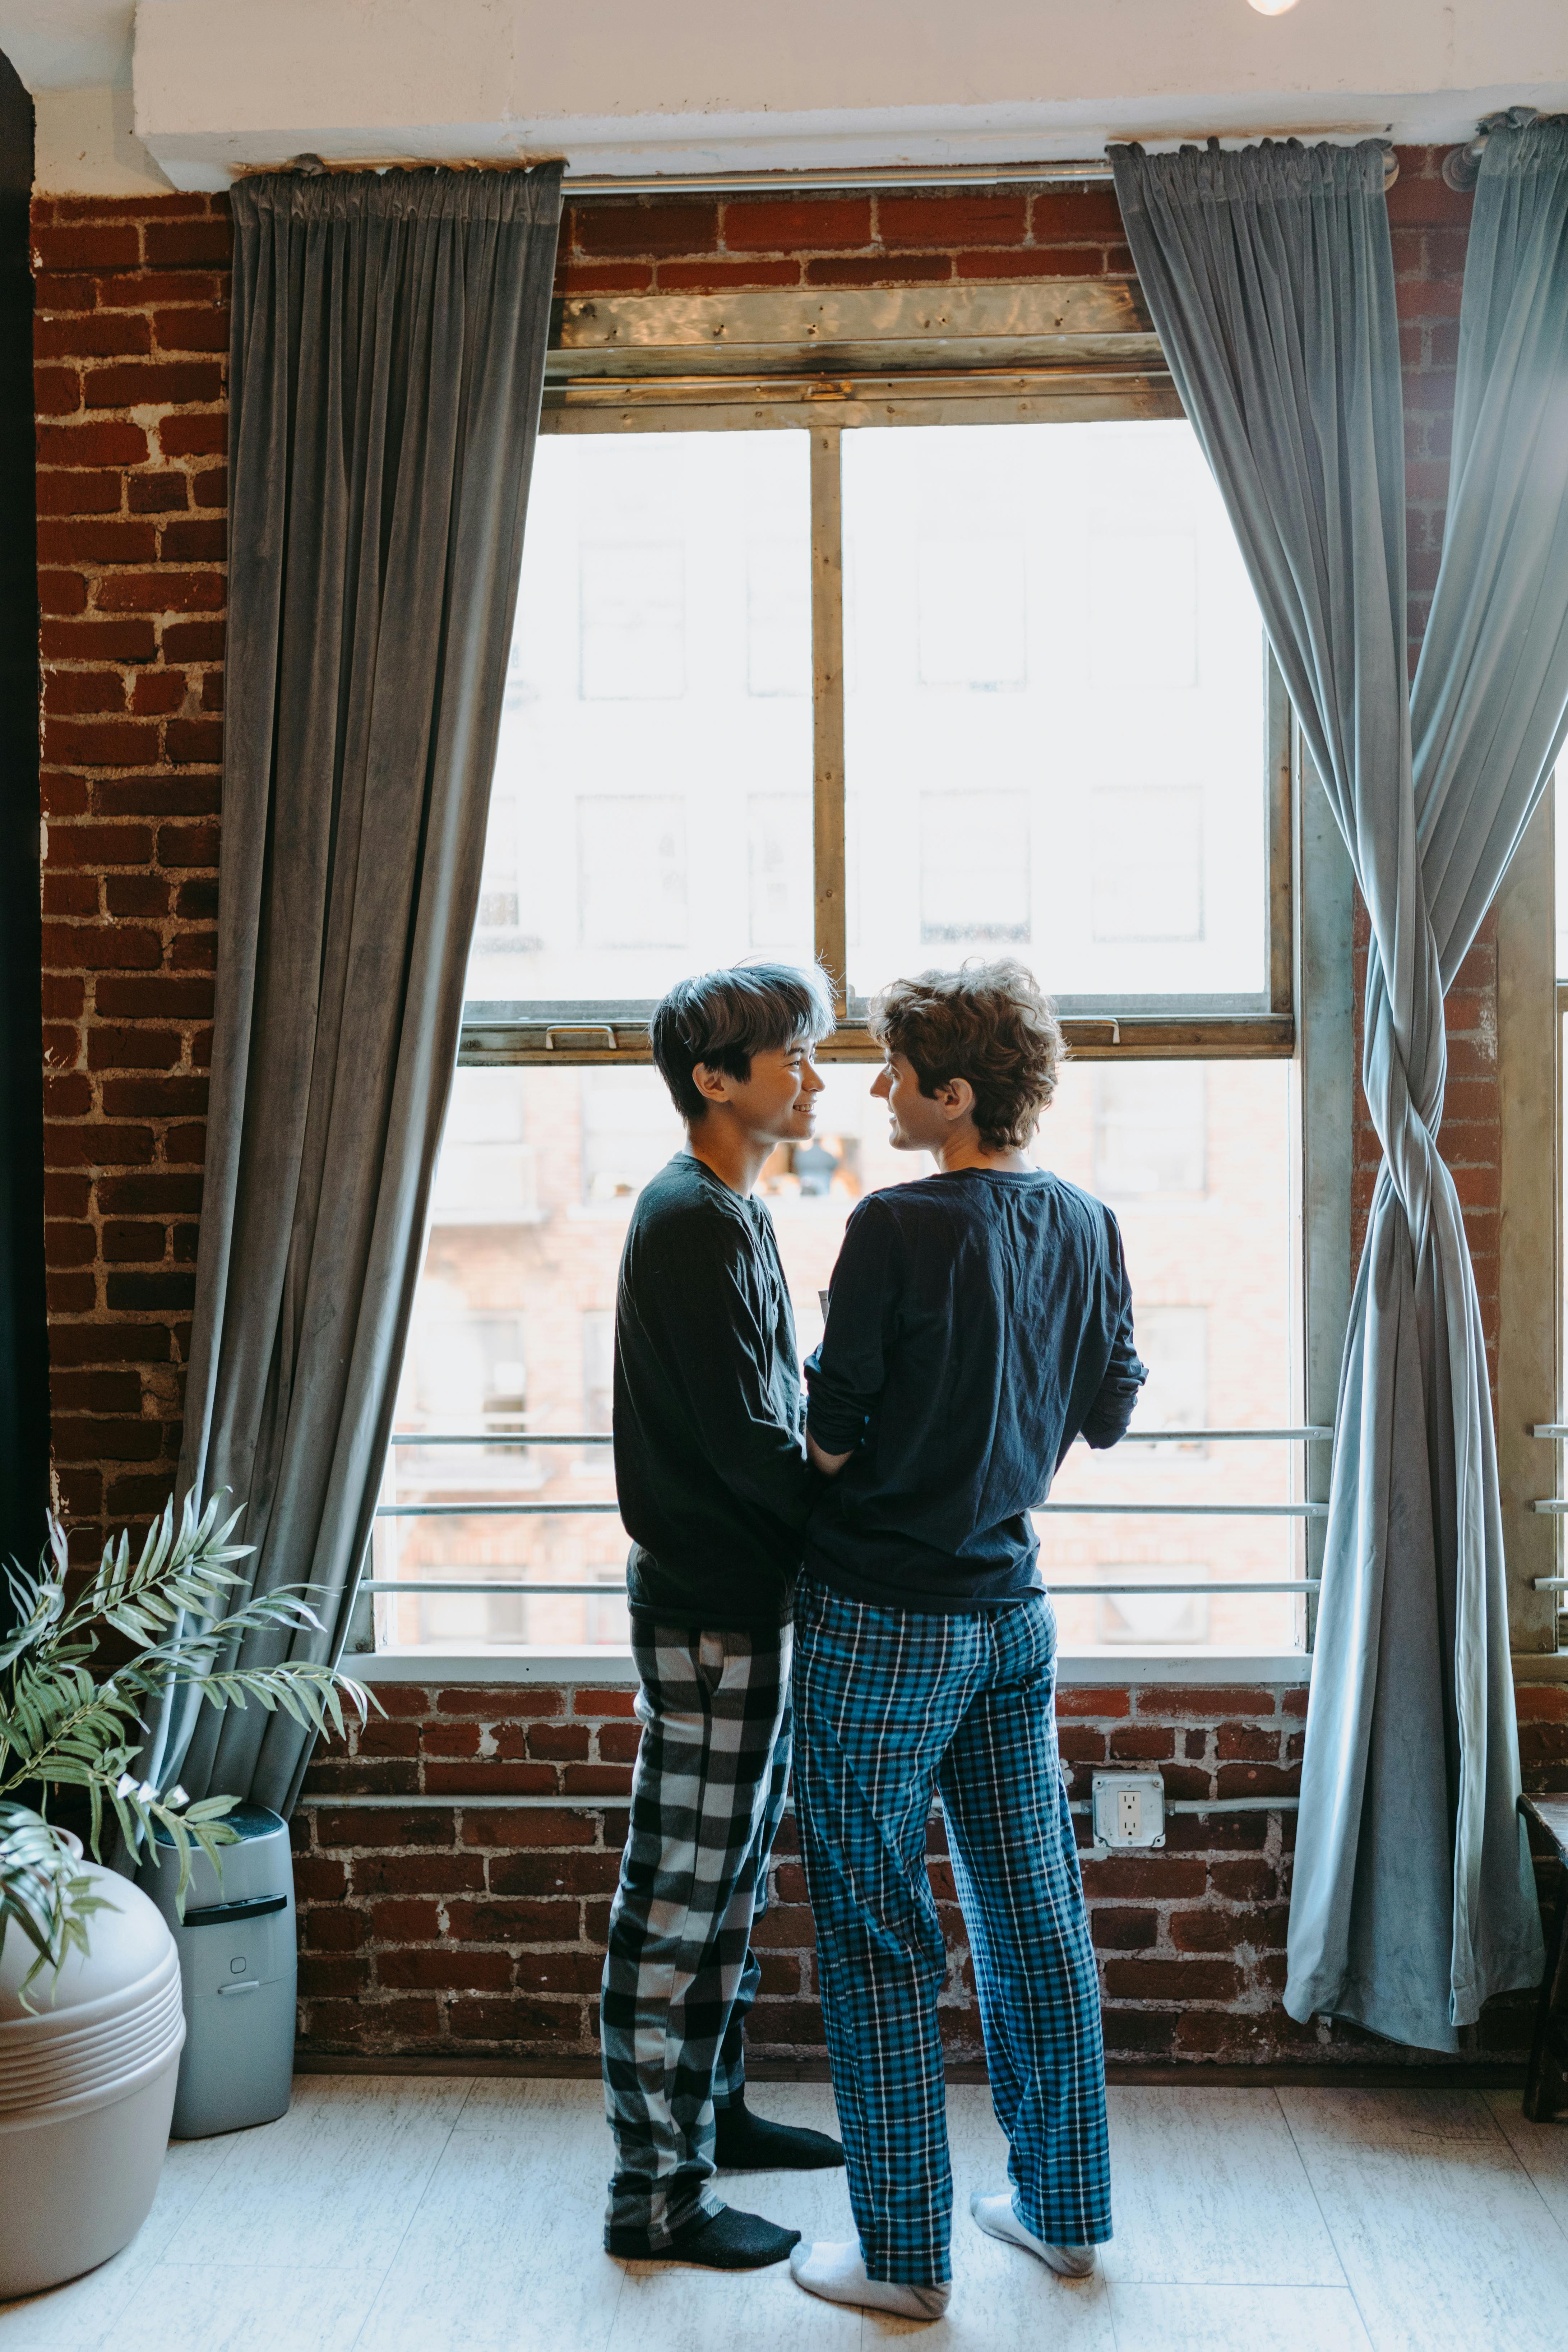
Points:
1269	277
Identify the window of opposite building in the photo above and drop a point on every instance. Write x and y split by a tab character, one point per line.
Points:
1051	731
1533	973
1503	1135
899	666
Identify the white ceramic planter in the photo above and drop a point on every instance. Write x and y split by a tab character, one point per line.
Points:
87	2088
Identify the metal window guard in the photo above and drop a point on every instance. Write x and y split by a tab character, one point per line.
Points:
1310	1436
614	1591
1549	1506
1313	1434
1041	1510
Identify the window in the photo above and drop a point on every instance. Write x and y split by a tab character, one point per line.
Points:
779	837
1509	1067
1174	1344
486	1174
514	1337
904	667
975	870
598	1366
1151	1130
498	910
1146	867
631	872
1061	694
1529	1357
470	1366
626	1128
1150	1620
654	773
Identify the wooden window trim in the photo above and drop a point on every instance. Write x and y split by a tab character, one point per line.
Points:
1063	350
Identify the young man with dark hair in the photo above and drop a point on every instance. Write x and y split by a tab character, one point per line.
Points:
714	1490
978	1321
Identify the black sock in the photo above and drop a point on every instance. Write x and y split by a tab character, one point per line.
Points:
743	2142
725	2240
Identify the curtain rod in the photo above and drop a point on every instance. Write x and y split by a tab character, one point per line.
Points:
1094	170
874	175
1091	172
1462	165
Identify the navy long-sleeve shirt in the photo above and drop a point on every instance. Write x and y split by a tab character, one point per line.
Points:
978	1323
711	1467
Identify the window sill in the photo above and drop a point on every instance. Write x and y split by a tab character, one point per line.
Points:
436	1664
1210	1669
1540	1665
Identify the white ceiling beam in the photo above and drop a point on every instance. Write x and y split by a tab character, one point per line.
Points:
620	86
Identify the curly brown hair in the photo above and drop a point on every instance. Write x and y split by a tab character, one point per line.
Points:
989	1022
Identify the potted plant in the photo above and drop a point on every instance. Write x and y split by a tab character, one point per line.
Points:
90	2021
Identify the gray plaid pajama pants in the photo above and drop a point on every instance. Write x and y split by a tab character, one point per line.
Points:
679	1974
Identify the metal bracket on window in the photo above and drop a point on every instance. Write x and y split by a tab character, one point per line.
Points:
1095	1020
1462	165
581	1029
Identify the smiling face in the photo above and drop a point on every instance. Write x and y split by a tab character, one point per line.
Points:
778	1103
919	1122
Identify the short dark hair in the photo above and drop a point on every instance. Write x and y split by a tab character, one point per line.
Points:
989	1022
723	1018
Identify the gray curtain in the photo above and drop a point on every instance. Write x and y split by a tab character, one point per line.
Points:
387	364
1269	277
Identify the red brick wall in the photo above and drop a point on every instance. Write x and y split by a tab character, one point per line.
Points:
132	340
1430	229
710	245
433	1929
452	1929
131	337
131	344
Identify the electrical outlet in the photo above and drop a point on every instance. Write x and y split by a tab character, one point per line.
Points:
1128	1809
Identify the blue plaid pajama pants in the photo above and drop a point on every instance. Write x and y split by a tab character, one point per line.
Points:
890	1705
679	1974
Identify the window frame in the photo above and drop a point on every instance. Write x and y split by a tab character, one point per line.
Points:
1533	1002
1069	352
1066	352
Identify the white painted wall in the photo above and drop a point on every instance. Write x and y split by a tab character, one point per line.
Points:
691	85
85	144
68	44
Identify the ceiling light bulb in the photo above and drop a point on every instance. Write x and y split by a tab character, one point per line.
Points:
1271	7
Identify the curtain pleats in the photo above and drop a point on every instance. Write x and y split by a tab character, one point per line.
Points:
1269	277
387	367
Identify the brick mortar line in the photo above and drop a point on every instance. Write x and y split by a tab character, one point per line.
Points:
570	1801
131	347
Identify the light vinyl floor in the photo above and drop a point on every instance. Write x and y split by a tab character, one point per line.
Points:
441	2215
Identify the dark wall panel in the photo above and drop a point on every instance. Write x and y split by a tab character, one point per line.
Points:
23	1339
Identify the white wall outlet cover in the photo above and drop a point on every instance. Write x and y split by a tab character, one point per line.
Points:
1129	1810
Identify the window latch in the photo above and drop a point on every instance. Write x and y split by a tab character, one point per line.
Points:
581	1029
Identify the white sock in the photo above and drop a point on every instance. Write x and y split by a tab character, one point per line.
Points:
997	2216
837	2274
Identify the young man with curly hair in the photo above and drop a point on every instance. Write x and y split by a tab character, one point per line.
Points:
714	1490
979	1321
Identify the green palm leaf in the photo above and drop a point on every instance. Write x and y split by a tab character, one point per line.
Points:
64	1726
